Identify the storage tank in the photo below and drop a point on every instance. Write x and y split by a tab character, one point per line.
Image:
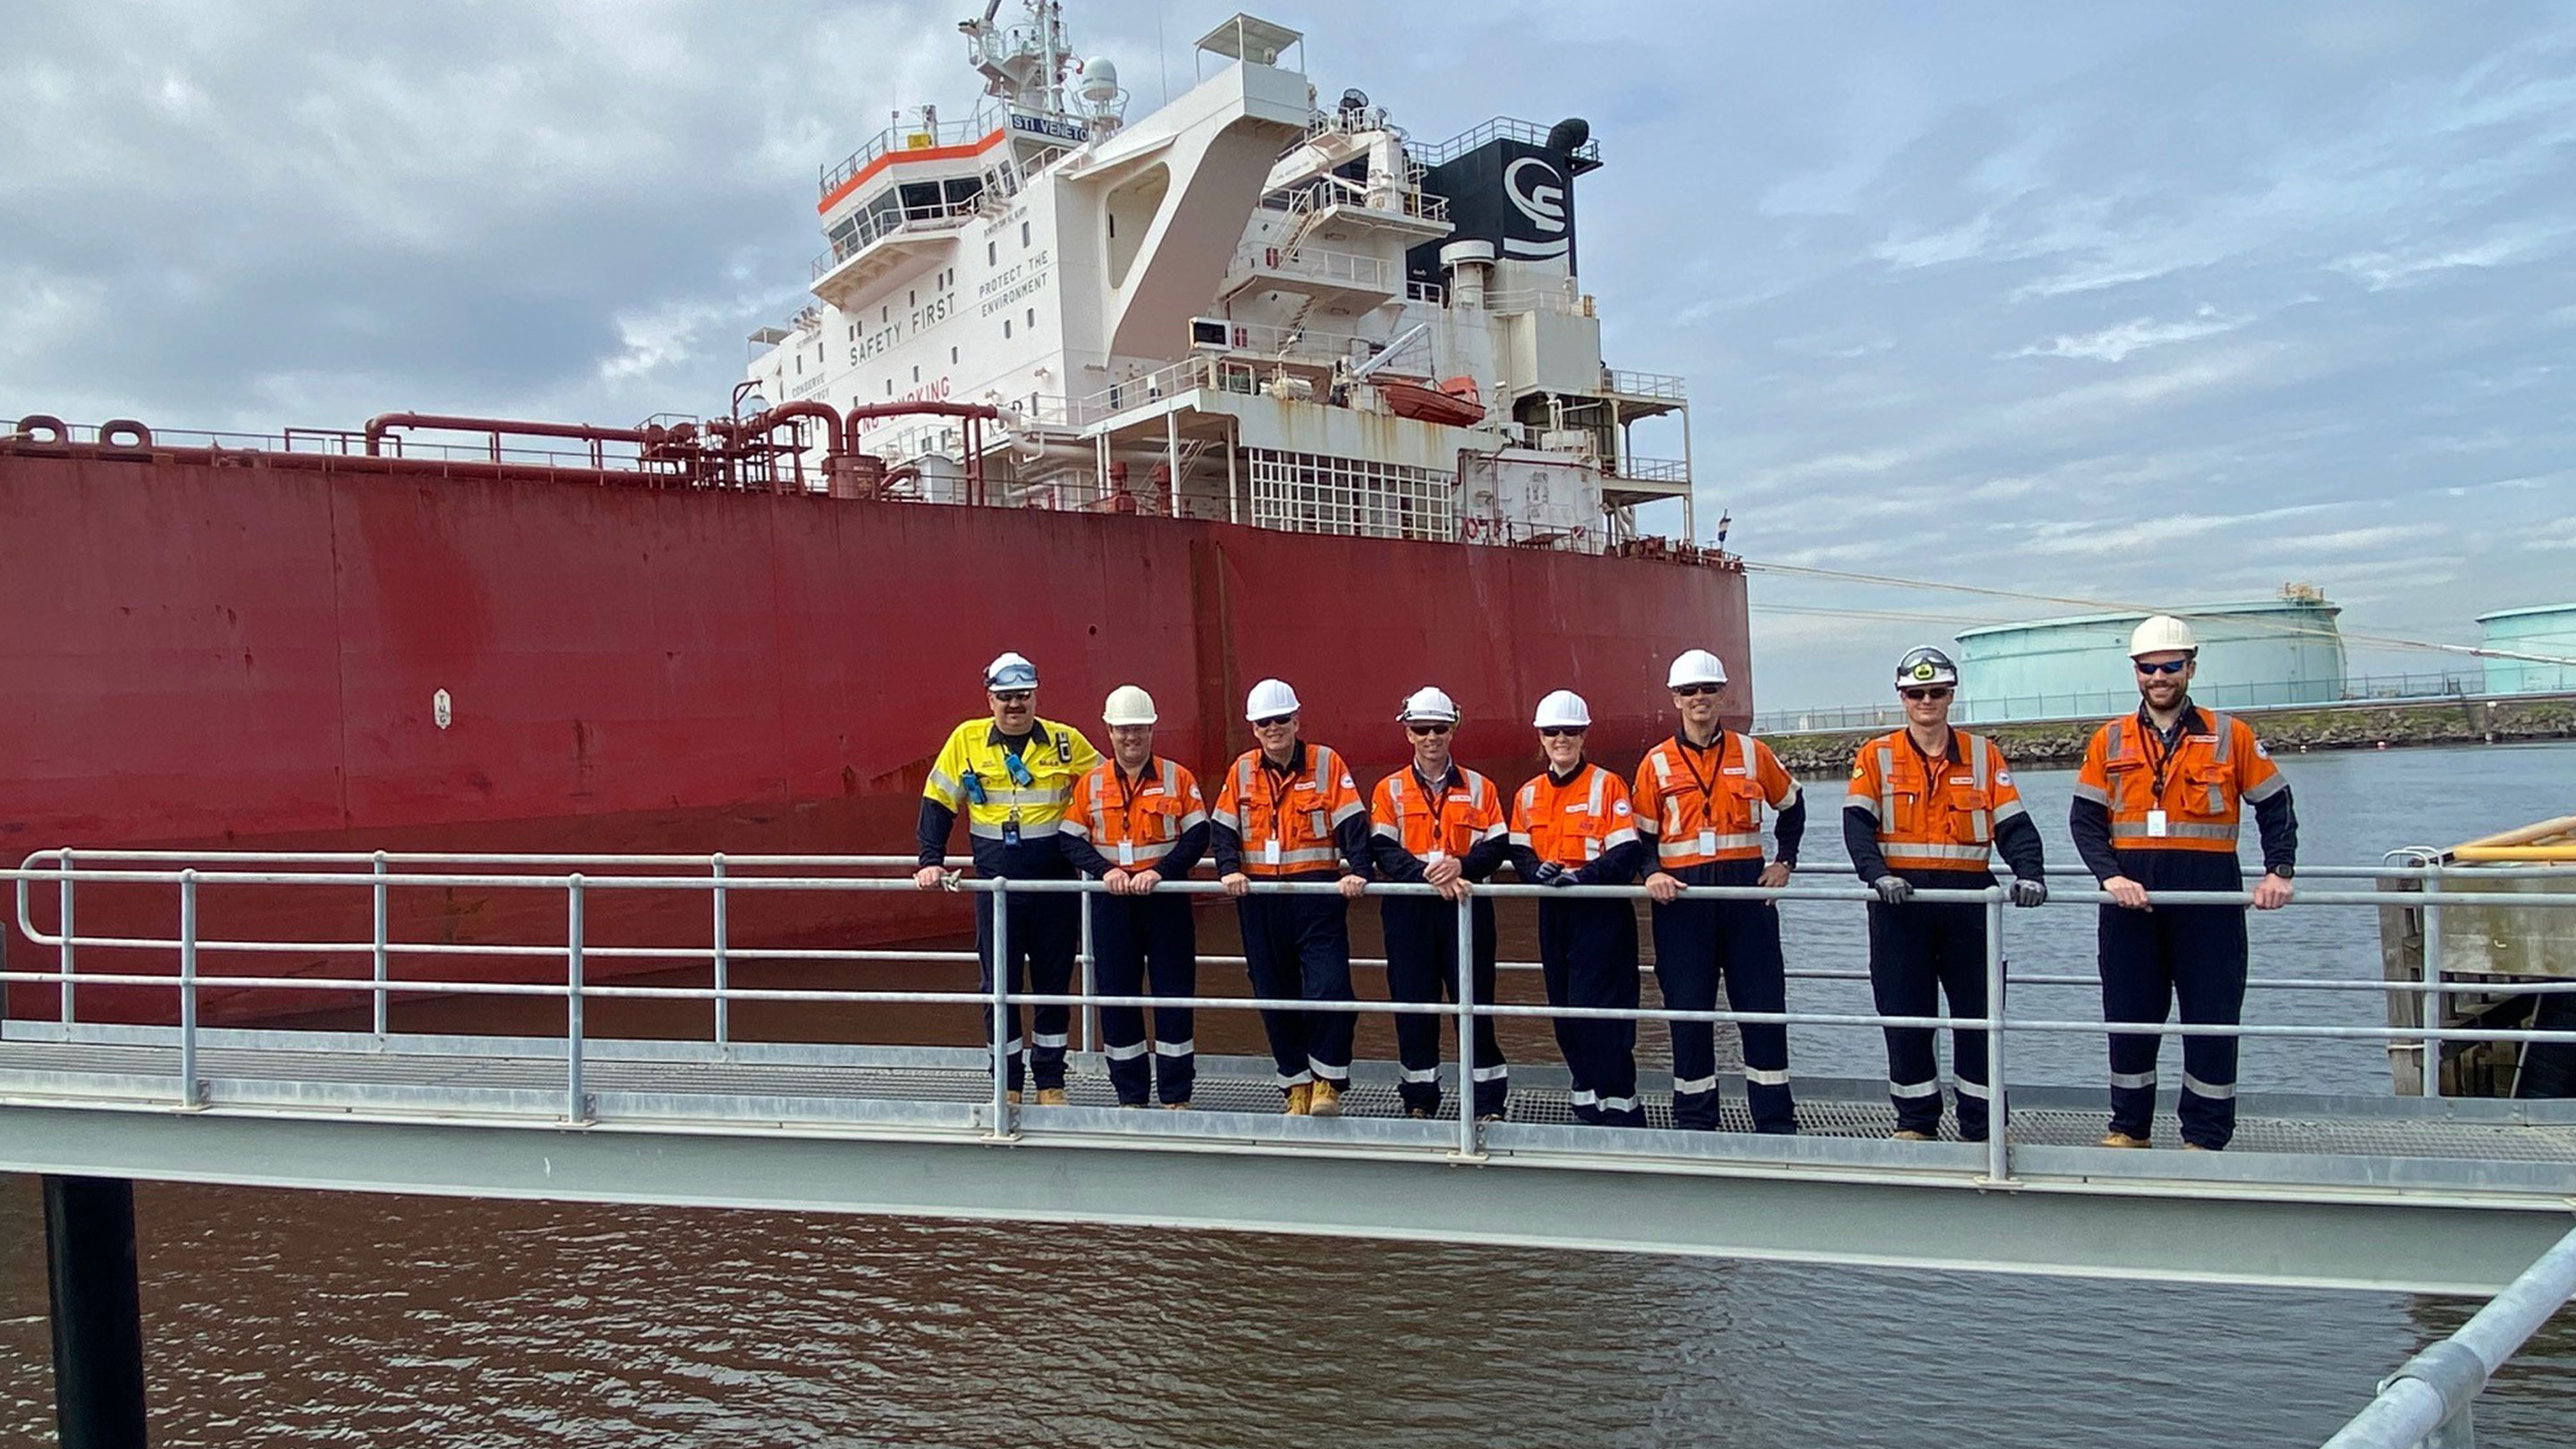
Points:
2269	652
2548	629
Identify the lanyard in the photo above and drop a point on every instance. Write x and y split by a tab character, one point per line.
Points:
1270	792
1707	787
2160	756
1127	794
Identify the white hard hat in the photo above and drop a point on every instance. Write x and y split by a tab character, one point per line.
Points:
1563	709
1924	666
1010	671
1428	705
2161	634
1128	705
1270	697
1695	666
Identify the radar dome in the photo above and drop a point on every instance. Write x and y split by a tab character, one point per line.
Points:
1099	79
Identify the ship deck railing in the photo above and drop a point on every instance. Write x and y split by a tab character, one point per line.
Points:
2423	1193
909	136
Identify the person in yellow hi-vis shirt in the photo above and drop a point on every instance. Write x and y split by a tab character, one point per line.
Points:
1011	776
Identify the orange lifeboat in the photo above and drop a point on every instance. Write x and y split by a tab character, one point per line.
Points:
1430	405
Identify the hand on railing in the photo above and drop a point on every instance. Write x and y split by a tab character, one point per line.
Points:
1894	890
2028	892
2271	892
2127	892
1663	888
1237	884
1353	887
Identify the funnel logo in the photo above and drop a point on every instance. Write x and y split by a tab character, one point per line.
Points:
1537	192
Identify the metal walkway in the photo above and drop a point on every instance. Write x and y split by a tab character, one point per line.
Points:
2441	1196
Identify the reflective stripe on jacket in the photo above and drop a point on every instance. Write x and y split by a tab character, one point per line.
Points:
1573	823
1706	805
1466	813
1147	817
1299	813
1934	814
2215	768
974	763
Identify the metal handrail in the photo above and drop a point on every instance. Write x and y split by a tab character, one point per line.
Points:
2428	1400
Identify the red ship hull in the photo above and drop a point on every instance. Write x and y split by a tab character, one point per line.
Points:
237	651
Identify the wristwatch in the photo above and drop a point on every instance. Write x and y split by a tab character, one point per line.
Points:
2285	872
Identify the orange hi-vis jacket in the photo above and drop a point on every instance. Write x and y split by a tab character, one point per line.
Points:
1706	805
1287	825
1135	825
1934	814
1574	823
2190	798
1468	812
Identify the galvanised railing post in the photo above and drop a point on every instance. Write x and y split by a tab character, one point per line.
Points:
2432	995
722	927
576	1101
1998	1096
383	956
66	951
999	969
188	1094
1090	980
1469	1143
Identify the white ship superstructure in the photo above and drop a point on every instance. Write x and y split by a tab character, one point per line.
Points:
1240	307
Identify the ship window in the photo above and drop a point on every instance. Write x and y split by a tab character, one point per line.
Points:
1006	327
800	362
912	299
992	253
952	357
1113	223
889	387
1033	316
882	314
854	332
916	374
1024	233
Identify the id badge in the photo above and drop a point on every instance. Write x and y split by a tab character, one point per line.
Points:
1708	842
2156	824
1011	829
1126	852
1270	851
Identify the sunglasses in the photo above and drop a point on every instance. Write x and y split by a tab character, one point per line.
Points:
1272	722
1426	729
1013	696
2170	666
1559	732
1939	692
1694	691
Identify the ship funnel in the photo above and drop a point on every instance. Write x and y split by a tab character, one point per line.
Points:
1470	265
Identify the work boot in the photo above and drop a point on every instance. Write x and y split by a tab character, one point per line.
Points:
2197	1147
1419	1114
1325	1101
1908	1134
1011	1097
1298	1097
2123	1139
1176	1106
1131	1106
1052	1097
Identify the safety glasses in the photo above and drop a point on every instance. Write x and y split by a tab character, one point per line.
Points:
2170	666
1694	691
1559	732
1426	729
1013	696
1938	692
1272	722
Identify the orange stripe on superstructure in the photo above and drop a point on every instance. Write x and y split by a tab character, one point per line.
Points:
926	153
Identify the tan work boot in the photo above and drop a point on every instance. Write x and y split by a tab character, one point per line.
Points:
1053	1097
1011	1097
1298	1097
1176	1106
1325	1101
1908	1134
1418	1114
2123	1139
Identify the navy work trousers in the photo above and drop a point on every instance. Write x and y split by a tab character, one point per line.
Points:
1587	950
1696	943
1298	948
2190	958
1045	929
1136	940
1919	952
1422	966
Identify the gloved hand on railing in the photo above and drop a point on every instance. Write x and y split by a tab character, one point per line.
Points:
2029	892
1894	889
1550	873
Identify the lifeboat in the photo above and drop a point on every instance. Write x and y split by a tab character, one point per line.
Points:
1430	405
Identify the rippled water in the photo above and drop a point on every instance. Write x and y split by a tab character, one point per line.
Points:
311	1319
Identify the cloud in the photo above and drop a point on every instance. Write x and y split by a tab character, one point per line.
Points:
2115	343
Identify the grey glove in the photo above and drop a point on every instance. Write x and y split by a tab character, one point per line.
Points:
1550	873
1563	877
2029	892
1894	889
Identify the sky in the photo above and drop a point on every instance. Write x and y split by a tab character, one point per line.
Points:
2135	305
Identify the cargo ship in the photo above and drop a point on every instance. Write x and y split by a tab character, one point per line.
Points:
1250	385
